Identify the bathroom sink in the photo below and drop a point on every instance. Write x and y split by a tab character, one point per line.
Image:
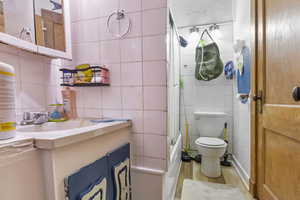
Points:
57	126
56	134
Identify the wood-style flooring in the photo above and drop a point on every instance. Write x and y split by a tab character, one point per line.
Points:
192	171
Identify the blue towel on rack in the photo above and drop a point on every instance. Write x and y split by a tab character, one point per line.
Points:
244	79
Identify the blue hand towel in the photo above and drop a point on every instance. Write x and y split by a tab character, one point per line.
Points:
243	79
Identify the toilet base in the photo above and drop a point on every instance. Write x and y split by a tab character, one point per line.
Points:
211	166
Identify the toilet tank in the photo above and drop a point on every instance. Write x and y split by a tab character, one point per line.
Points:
210	124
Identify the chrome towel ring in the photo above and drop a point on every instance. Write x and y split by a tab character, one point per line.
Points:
124	24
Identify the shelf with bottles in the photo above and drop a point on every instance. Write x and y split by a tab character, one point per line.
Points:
85	76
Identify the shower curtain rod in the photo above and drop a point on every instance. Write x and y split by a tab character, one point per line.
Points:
208	24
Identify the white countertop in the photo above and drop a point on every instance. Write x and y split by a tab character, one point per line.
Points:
58	138
18	138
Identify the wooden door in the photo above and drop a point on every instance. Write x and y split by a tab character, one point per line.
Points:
54	30
278	72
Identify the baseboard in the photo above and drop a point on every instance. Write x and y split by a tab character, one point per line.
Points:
241	172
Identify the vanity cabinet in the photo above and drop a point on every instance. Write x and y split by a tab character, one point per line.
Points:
75	165
21	171
39	26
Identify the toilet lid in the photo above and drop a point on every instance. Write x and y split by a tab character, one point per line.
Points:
210	141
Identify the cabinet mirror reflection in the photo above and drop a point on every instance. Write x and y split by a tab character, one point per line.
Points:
16	19
49	24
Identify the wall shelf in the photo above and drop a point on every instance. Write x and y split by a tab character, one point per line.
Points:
85	85
93	76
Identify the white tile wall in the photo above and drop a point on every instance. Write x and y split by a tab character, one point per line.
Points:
36	77
212	96
110	51
115	74
146	4
153	23
132	98
136	22
155	73
107	7
154	48
131	5
241	138
155	98
138	70
138	117
155	122
112	98
132	74
85	35
131	50
155	146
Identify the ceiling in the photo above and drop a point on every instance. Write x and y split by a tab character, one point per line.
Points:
191	12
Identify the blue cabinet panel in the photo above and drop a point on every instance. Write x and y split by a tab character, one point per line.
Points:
106	179
119	167
80	182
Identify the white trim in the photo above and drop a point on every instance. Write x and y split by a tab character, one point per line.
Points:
148	170
241	172
17	42
32	47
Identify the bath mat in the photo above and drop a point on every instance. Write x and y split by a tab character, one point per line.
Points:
196	190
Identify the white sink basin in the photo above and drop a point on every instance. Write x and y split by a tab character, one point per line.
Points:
57	126
57	134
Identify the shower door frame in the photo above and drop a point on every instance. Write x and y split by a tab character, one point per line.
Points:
171	132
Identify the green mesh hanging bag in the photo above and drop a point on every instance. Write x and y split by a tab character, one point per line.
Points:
209	65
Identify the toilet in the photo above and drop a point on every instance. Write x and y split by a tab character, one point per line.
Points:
210	126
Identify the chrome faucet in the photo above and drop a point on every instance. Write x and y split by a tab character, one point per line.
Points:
35	118
40	118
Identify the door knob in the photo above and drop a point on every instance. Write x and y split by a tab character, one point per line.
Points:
259	99
296	93
256	98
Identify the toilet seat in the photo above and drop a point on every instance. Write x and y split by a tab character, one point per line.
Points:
210	142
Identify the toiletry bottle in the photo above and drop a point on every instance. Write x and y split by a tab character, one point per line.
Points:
7	102
69	101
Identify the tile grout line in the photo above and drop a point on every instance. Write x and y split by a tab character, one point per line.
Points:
143	91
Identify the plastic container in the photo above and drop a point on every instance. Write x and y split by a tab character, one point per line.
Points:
57	113
7	102
69	101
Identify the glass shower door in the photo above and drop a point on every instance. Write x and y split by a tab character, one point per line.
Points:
173	85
